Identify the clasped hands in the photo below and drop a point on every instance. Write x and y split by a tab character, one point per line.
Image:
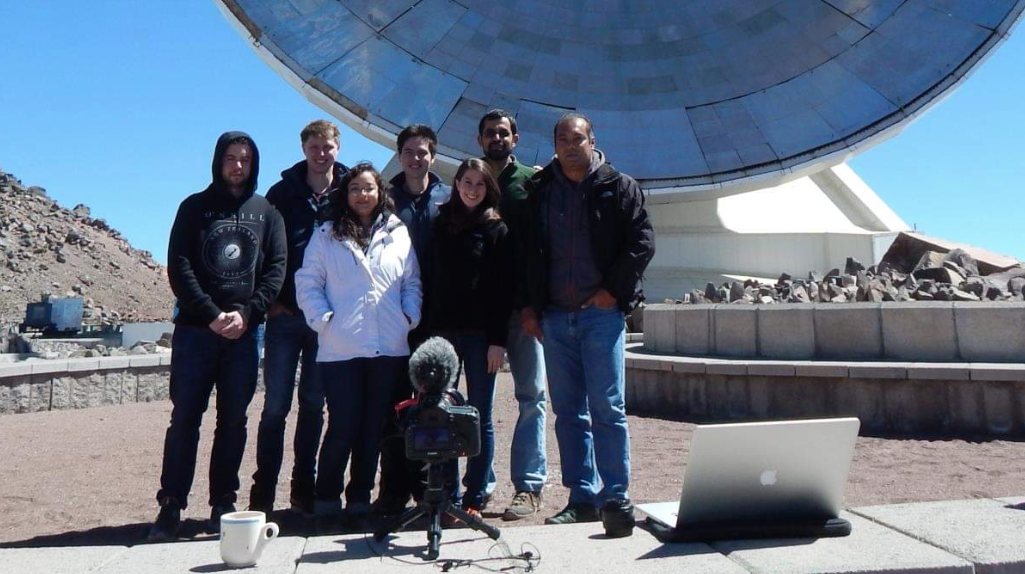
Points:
229	325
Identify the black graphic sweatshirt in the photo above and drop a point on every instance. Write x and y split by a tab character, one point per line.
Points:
226	253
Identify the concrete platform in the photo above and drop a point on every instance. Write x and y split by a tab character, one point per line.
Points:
72	560
954	526
985	536
869	548
571	548
280	556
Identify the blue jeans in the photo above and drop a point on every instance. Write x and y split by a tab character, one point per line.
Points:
528	464
358	393
200	361
472	349
584	354
287	338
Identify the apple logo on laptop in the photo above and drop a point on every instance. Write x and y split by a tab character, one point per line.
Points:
768	477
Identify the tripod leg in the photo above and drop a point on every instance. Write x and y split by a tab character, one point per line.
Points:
474	522
434	535
398	523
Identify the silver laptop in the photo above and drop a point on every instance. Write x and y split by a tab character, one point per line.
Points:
764	471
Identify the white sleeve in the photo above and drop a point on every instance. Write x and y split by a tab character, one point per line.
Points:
412	294
311	281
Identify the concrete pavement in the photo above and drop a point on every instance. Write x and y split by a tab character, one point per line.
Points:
981	536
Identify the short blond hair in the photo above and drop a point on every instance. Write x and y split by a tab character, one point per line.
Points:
322	128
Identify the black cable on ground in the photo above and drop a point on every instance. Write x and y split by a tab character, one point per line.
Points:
526	561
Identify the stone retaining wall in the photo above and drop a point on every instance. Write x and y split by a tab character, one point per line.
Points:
945	398
33	386
920	331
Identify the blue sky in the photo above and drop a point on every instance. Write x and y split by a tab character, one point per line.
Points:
117	105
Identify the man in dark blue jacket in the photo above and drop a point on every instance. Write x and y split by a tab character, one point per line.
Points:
226	264
588	241
418	193
301	197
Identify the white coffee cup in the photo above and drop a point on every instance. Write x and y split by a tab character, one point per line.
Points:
243	537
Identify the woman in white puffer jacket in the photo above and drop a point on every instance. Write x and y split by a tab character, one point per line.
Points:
359	288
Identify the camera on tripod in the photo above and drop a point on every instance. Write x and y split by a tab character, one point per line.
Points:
440	427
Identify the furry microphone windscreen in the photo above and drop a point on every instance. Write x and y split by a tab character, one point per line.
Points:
434	366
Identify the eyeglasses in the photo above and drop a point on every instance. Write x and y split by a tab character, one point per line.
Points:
362	190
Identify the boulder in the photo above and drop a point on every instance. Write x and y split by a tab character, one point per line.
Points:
711	295
736	292
852	266
1017	286
939	275
959	295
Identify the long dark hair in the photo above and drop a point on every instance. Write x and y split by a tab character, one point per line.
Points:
344	222
458	215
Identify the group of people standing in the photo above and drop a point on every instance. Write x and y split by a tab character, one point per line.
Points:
539	265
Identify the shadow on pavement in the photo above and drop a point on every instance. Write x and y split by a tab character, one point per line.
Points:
212	568
124	535
670	548
290	523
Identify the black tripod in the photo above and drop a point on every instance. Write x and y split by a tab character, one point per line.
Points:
435	503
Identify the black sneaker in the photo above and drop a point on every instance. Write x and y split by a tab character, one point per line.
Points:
328	524
574	513
617	516
260	501
302	503
356	515
388	506
166	525
213	526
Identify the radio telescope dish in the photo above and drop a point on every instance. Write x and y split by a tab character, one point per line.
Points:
684	94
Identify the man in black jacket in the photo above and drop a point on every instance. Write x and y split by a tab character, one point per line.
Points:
226	264
301	197
588	242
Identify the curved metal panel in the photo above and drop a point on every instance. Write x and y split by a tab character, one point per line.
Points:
689	95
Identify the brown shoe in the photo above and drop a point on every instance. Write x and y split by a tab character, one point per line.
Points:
524	504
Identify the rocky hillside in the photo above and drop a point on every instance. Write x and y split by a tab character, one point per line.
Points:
48	249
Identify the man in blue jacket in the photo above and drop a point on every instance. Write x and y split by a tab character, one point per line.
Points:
301	197
418	193
226	264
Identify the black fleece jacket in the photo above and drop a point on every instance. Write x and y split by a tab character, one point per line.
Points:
472	284
622	238
226	253
302	213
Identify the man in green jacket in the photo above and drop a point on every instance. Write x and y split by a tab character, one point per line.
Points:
497	136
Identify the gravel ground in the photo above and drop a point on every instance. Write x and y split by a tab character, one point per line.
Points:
90	476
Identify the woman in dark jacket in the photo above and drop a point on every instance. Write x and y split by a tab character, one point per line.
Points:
472	291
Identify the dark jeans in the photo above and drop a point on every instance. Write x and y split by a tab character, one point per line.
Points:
400	477
200	361
472	349
288	337
358	393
